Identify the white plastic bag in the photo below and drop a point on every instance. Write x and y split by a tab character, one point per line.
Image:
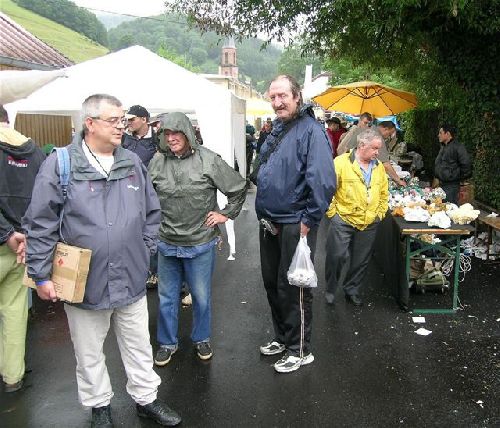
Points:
301	271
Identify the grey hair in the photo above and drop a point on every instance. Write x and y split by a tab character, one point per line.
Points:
367	136
92	106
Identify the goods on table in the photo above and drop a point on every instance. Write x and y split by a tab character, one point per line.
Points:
416	214
418	204
463	215
398	212
440	219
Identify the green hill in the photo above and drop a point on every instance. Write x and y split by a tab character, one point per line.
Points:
73	45
201	50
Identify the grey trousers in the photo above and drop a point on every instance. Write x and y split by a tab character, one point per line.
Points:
346	244
88	331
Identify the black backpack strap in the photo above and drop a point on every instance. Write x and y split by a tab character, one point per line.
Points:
276	142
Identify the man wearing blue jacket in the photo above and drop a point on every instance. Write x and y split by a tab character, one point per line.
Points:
112	209
295	184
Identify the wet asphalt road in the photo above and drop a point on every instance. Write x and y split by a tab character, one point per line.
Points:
371	369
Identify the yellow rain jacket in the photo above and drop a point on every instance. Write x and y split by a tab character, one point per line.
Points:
353	201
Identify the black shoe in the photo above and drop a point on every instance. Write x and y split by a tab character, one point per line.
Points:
101	417
354	299
204	350
14	387
164	355
160	413
403	306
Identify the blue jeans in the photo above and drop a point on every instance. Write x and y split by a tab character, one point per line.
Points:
197	272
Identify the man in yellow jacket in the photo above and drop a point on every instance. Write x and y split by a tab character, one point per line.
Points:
357	207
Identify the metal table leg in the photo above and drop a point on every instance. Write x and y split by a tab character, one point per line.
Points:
456	271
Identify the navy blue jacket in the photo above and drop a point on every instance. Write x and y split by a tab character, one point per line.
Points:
298	181
145	147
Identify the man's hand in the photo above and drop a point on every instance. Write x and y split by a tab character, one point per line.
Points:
21	253
393	174
304	230
17	244
214	218
47	291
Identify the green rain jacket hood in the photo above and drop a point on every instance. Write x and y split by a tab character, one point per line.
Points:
187	187
177	122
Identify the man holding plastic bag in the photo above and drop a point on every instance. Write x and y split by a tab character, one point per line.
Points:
359	204
295	183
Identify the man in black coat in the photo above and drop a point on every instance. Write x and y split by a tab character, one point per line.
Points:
140	136
452	163
20	160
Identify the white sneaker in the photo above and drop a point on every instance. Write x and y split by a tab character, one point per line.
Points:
290	363
272	348
287	364
308	359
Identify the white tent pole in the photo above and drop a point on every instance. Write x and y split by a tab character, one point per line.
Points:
77	121
12	112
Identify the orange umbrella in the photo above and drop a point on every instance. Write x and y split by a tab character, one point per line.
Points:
359	97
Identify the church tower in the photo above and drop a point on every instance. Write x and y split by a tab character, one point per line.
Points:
228	65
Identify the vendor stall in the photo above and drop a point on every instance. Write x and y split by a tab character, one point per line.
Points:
393	253
448	245
421	227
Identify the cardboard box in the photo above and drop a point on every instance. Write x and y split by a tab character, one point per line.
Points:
69	272
466	193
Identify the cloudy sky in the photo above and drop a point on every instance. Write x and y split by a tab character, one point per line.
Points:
129	7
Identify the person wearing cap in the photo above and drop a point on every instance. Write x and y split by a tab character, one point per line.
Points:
334	131
140	136
186	177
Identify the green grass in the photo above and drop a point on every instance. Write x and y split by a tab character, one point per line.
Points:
73	45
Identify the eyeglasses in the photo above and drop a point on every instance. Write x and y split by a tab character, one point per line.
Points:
113	121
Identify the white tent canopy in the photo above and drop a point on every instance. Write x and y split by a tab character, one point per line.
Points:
17	84
138	76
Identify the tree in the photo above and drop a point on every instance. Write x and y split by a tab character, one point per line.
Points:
177	59
203	51
125	41
294	61
445	50
68	14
